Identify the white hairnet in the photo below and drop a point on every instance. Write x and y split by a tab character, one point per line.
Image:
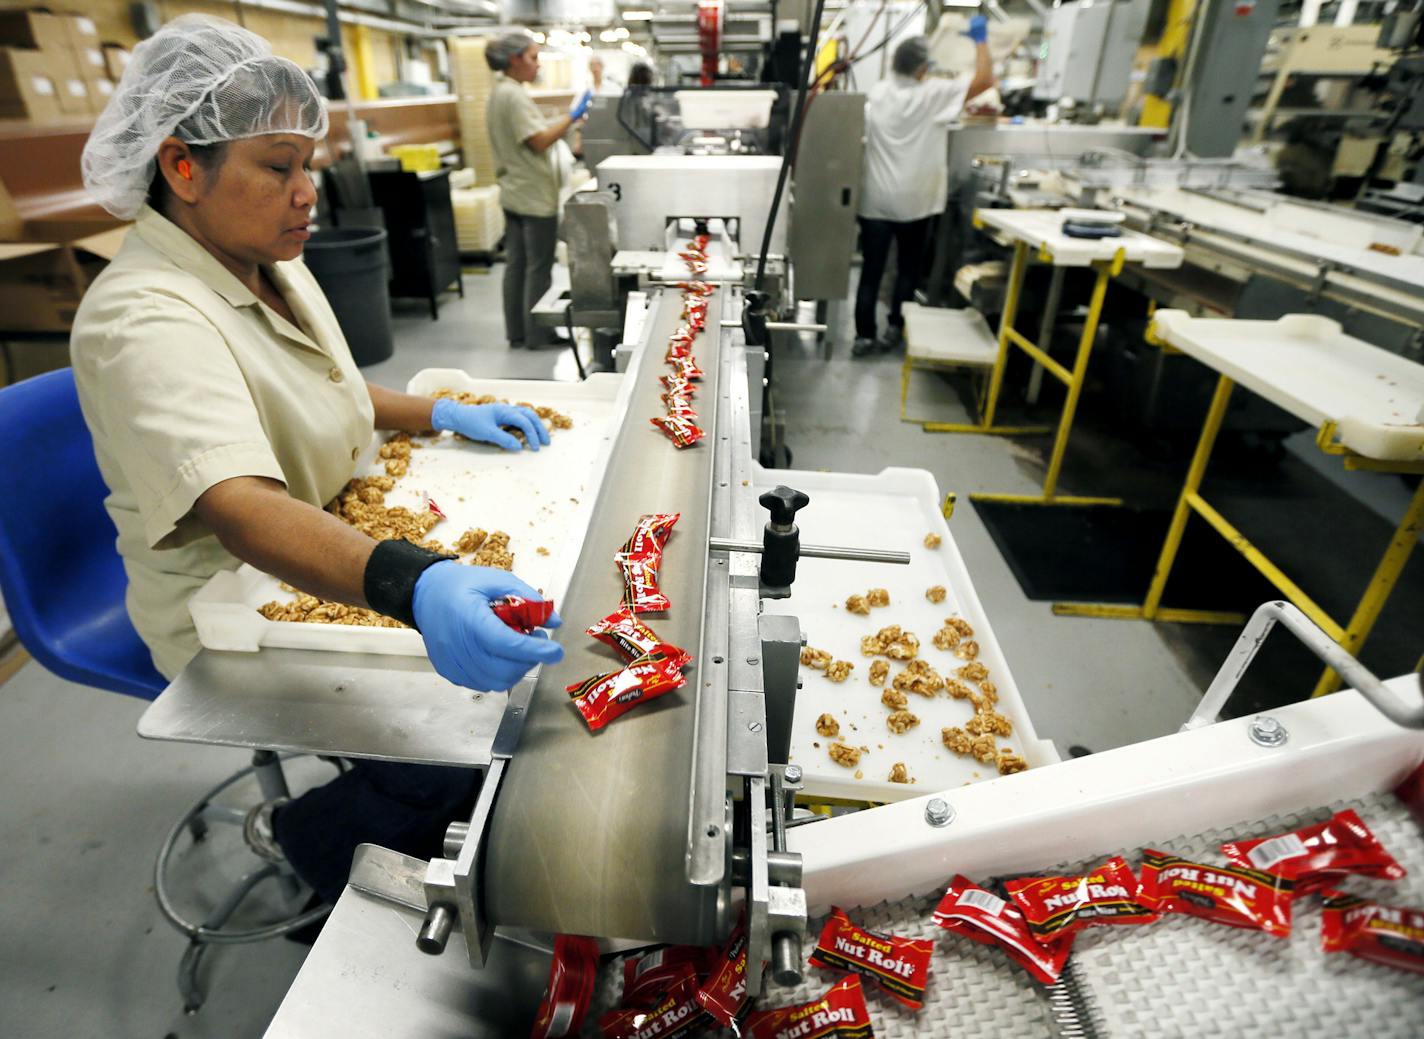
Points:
500	49
202	80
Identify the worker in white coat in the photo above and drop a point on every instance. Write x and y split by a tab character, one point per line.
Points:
905	176
226	411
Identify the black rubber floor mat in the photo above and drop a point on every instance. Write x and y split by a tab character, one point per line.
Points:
1099	553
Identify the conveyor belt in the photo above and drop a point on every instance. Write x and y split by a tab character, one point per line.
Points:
1180	978
590	831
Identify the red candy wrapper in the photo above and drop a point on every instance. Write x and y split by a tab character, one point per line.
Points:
677	384
651	534
678	350
679	408
982	916
640	584
1391	935
1314	856
696	288
602	698
683	432
724	993
648	978
523	614
1058	906
571	979
687	369
675	1015
899	966
626	633
1231	895
839	1014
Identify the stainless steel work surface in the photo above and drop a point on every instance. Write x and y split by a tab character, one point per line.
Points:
355	705
365	979
590	832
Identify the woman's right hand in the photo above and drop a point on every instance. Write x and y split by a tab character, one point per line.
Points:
466	642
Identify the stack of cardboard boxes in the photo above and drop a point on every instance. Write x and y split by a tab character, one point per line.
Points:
53	67
473	83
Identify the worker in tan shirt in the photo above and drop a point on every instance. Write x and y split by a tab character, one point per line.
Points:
226	411
522	142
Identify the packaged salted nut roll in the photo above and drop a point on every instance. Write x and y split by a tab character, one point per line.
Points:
839	1014
572	974
1233	895
1391	935
982	916
648	977
724	994
1315	856
523	615
900	967
1057	906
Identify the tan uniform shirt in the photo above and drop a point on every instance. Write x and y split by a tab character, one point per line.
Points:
187	379
528	180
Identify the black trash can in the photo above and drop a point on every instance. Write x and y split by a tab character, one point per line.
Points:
349	263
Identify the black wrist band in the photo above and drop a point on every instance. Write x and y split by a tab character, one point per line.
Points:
390	578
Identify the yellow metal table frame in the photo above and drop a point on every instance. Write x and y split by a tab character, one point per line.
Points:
1351	636
1073	378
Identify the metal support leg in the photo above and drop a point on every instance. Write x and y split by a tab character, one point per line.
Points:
1080	375
1006	322
1045	330
1385	577
1215	415
573	340
273	783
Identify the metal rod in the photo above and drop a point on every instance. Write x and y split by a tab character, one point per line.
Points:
783	326
1314	639
862	555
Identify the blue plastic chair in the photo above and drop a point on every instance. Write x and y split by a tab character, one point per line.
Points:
63	583
60	573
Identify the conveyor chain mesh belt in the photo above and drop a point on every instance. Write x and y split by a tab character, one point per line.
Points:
1180	978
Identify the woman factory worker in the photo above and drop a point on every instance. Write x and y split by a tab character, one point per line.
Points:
528	178
906	174
226	411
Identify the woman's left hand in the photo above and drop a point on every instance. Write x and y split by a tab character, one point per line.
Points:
485	422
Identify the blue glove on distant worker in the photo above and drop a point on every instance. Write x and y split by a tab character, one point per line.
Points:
581	106
483	422
978	30
466	642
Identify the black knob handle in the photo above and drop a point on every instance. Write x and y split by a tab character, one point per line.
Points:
784	502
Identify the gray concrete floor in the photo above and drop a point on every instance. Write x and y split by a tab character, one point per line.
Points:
84	952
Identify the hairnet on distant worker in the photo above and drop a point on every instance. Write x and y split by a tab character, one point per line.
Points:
912	55
500	50
202	80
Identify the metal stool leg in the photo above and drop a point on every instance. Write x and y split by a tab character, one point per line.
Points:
193	994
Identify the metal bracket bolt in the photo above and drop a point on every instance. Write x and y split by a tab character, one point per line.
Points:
793	773
939	812
1265	731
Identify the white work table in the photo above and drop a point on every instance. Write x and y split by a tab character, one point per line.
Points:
1042	229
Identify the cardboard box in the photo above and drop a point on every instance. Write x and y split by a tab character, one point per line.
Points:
82	32
116	59
73	91
41	283
34	29
27	90
100	90
91	63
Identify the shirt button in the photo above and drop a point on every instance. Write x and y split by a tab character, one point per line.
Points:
335	375
355	453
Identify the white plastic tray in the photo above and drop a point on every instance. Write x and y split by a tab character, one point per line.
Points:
894	509
940	335
1043	229
541	499
1305	364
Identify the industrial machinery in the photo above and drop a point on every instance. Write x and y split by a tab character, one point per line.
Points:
1087	52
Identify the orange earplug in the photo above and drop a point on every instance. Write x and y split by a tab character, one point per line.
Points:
185	169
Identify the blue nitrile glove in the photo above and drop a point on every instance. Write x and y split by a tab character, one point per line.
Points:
581	106
466	642
483	422
978	30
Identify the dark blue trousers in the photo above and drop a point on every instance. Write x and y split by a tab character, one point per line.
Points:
402	807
